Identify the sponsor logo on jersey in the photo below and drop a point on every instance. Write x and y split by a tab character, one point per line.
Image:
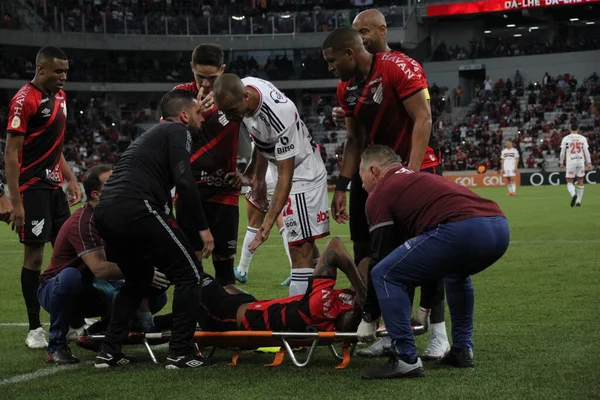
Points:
290	224
16	122
213	179
264	119
53	174
278	97
409	66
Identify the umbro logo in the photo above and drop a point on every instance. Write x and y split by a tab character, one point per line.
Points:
46	112
232	244
123	361
194	363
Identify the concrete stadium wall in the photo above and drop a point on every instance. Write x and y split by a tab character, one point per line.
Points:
581	64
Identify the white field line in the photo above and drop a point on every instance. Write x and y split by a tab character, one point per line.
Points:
40	373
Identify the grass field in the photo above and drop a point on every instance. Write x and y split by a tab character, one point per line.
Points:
535	331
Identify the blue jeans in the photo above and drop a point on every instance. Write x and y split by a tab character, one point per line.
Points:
452	251
67	297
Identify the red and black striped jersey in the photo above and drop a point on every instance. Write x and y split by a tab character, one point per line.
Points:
377	103
41	118
215	154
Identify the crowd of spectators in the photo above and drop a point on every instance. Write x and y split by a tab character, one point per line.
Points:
512	47
550	110
209	17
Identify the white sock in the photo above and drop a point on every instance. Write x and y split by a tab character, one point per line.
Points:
571	189
285	244
514	188
439	330
300	277
579	193
509	187
246	257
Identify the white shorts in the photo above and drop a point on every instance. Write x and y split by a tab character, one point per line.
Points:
306	215
271	182
575	171
509	173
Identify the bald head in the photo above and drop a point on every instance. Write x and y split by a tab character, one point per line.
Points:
373	29
228	86
371	17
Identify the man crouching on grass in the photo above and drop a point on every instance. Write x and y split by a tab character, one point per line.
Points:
449	232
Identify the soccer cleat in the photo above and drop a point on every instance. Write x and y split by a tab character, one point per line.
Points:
74	333
287	281
460	358
573	200
61	356
107	360
395	368
437	348
241	278
381	348
36	339
193	361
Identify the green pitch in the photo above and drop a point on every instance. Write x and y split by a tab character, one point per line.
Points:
536	327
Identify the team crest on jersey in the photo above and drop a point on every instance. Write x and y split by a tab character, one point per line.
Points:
16	122
222	118
278	97
377	94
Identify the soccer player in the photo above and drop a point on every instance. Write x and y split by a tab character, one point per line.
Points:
67	289
282	139
510	160
256	215
35	170
448	231
5	206
322	307
385	101
132	220
214	161
574	147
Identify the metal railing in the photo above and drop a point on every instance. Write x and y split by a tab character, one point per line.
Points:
128	23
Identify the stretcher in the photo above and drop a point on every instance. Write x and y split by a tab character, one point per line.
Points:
291	343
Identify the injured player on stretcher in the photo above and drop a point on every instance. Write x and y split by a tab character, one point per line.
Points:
322	308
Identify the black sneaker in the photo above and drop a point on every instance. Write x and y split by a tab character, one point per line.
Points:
106	360
578	205
460	358
193	361
395	368
573	200
61	356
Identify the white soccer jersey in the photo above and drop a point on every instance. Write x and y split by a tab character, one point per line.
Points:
574	147
279	134
510	158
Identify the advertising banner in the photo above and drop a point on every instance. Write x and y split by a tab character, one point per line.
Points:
555	178
476	7
481	180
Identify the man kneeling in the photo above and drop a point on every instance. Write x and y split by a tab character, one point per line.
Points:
69	288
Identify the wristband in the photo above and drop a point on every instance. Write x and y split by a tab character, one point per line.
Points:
342	183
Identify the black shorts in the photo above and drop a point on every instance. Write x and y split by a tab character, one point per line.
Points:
219	308
359	227
223	221
45	212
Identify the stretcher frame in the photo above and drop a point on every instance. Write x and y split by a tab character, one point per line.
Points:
290	343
